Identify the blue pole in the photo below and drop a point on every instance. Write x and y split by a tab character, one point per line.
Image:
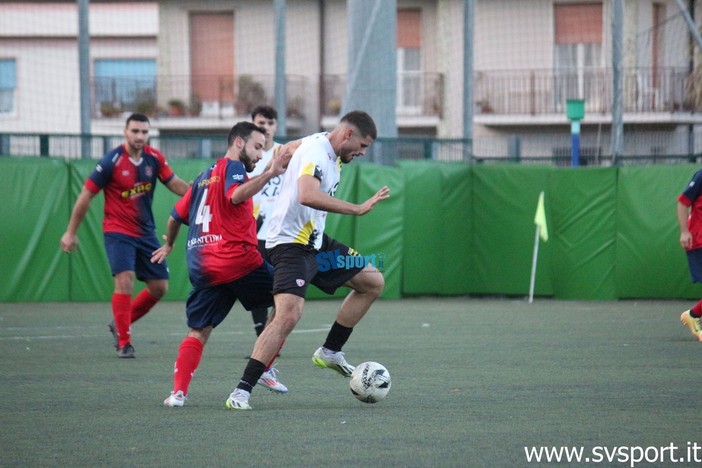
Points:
575	143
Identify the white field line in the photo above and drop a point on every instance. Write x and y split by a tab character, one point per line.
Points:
39	337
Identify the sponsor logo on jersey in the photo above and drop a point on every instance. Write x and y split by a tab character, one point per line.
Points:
137	191
204	240
211	180
238	176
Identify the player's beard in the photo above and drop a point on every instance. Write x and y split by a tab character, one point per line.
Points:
135	147
244	157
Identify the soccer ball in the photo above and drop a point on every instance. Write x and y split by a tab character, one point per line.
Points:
370	382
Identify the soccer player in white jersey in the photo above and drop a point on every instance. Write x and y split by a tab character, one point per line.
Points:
296	241
265	117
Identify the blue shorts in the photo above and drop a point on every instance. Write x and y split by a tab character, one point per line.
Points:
694	262
209	306
126	253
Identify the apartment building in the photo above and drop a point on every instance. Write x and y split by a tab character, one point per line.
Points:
198	66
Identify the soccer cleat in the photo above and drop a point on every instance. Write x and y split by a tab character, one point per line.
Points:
269	379
238	400
693	323
175	399
115	335
332	360
127	352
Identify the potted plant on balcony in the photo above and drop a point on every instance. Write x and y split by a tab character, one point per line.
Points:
176	108
250	95
195	105
109	109
333	106
484	106
294	108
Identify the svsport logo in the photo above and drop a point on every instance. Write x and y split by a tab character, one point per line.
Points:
335	260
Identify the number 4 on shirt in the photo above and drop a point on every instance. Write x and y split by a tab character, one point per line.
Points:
203	216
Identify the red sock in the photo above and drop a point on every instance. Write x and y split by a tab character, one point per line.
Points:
188	359
142	304
268	367
696	310
121	311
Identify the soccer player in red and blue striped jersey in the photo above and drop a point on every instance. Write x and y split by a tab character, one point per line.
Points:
128	176
224	263
689	214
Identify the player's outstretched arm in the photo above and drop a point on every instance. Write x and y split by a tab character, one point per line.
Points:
255	184
172	229
380	195
310	195
69	240
178	185
685	236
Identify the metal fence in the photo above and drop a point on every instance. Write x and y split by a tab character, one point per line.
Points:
662	148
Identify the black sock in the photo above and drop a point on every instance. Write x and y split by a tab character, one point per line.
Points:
259	316
254	370
337	337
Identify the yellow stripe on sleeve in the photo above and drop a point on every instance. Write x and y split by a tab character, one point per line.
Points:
308	170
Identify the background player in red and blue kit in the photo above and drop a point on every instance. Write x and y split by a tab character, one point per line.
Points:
224	263
689	214
127	175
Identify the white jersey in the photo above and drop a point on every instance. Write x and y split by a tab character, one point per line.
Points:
292	222
264	201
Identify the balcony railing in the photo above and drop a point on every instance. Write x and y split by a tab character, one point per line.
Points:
418	94
202	96
545	91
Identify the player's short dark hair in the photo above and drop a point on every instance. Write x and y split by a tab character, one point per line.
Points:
362	121
243	130
266	111
137	117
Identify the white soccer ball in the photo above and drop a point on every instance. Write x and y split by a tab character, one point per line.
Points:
370	382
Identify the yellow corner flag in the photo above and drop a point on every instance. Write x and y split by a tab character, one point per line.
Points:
540	218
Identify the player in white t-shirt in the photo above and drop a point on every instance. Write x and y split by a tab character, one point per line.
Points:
264	201
298	249
265	117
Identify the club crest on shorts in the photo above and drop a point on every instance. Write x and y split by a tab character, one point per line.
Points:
300	282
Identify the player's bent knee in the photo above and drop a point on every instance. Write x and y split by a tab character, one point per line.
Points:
158	290
369	282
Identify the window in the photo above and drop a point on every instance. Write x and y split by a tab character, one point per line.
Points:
409	76
8	83
125	85
578	53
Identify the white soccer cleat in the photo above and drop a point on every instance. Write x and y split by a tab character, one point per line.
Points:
269	379
175	399
332	360
238	400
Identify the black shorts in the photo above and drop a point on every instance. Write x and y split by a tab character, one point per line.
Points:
296	266
209	306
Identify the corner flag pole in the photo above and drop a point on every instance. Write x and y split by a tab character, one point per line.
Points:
541	231
533	264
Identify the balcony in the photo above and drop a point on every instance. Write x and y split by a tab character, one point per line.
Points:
179	102
651	95
420	98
